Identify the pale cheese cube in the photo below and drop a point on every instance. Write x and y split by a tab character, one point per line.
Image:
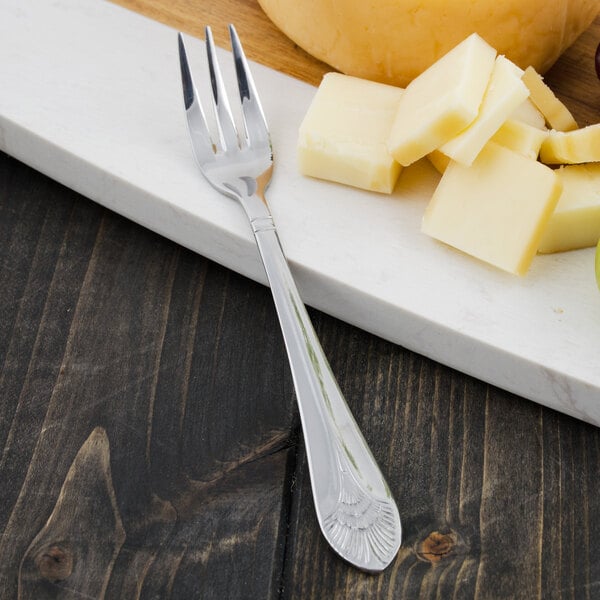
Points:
521	137
526	112
513	134
442	101
575	222
557	115
496	209
504	93
572	147
343	135
524	131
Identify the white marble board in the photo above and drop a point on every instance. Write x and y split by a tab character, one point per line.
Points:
90	95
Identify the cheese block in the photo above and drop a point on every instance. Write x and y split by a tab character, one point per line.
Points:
442	101
504	93
557	115
575	222
343	135
496	209
521	137
393	41
572	147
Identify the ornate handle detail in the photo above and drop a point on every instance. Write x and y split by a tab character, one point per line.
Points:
362	528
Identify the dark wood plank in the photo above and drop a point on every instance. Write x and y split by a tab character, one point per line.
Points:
63	550
168	366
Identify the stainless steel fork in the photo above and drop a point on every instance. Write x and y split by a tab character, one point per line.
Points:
353	503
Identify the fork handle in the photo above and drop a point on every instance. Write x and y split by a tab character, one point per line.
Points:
353	503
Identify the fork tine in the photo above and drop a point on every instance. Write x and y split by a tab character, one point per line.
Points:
200	134
225	124
257	131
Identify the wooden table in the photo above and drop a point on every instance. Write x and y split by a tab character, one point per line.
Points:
150	443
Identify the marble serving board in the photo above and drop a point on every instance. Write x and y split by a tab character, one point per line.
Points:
90	95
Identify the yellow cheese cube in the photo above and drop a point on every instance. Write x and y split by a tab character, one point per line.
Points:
575	222
343	135
572	147
439	160
442	101
504	93
556	113
496	209
521	137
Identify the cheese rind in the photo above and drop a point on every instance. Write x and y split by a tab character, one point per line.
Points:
442	101
496	209
575	222
572	147
344	132
393	41
504	93
555	112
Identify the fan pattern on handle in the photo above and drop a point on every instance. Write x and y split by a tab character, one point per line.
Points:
361	525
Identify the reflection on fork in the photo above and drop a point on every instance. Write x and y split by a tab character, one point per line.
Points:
354	506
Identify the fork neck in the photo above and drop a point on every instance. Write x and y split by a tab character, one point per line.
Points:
250	191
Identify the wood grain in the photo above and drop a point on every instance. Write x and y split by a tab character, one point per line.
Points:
149	439
263	42
62	549
107	326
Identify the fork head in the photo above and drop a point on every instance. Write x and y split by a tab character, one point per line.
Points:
237	164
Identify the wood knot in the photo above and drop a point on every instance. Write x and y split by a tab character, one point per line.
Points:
437	546
54	563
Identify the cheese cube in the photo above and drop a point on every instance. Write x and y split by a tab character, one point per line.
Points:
575	222
557	115
343	135
572	147
513	134
521	137
504	93
526	112
442	101
439	160
496	209
524	131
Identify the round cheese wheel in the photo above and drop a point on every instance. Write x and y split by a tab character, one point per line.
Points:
393	41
